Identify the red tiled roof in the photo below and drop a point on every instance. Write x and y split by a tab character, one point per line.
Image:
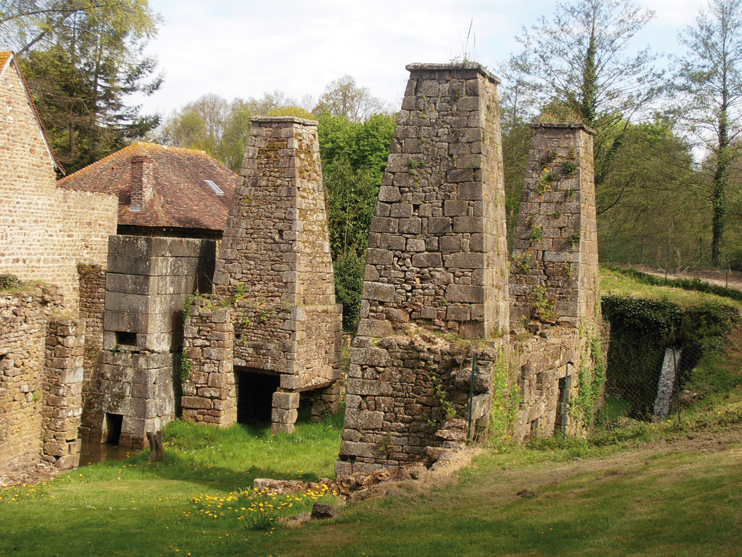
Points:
181	198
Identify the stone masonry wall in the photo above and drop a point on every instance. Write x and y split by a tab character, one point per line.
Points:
137	376
436	273
437	248
555	256
92	309
40	380
44	231
275	273
210	392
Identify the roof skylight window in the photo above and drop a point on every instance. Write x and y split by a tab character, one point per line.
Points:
213	186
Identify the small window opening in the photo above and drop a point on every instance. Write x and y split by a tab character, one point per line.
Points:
127	339
217	190
113	429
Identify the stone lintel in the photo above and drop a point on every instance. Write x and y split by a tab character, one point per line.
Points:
564	126
283	120
463	67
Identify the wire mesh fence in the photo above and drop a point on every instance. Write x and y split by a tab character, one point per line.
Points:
673	254
650	383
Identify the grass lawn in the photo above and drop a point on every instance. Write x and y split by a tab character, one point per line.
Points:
650	495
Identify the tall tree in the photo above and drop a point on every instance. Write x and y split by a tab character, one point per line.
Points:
82	72
578	68
708	81
342	97
222	128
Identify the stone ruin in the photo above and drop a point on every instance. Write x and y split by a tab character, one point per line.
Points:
439	292
134	386
272	330
437	289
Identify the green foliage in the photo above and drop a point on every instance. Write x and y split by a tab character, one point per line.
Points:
537	233
214	125
522	264
8	282
591	378
642	329
353	161
440	393
186	366
349	269
542	307
569	168
82	72
506	401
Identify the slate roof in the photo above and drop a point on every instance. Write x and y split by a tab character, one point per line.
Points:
181	198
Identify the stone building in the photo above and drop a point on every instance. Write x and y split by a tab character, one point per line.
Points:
173	206
45	233
272	330
436	291
45	230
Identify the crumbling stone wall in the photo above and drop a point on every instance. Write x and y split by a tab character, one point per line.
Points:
44	231
436	275
275	273
137	377
40	380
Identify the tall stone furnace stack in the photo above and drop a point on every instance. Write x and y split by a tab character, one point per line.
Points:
273	330
437	261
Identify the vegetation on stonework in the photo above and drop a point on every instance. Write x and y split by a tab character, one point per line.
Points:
591	379
9	282
506	401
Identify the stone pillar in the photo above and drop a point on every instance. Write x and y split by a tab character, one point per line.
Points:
285	409
275	270
437	262
62	403
437	249
209	388
554	274
137	377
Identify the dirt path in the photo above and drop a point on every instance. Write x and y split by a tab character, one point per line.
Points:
712	276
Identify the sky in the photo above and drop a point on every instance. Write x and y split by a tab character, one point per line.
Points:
243	48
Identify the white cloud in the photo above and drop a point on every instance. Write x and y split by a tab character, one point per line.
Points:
243	48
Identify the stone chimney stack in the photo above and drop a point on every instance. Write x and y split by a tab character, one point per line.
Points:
142	181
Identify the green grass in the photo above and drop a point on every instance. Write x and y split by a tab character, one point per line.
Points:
136	508
617	282
622	491
607	495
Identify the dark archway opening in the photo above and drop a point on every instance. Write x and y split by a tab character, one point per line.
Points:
255	395
113	429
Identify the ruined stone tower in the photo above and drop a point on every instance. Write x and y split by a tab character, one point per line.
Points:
555	255
437	262
273	329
